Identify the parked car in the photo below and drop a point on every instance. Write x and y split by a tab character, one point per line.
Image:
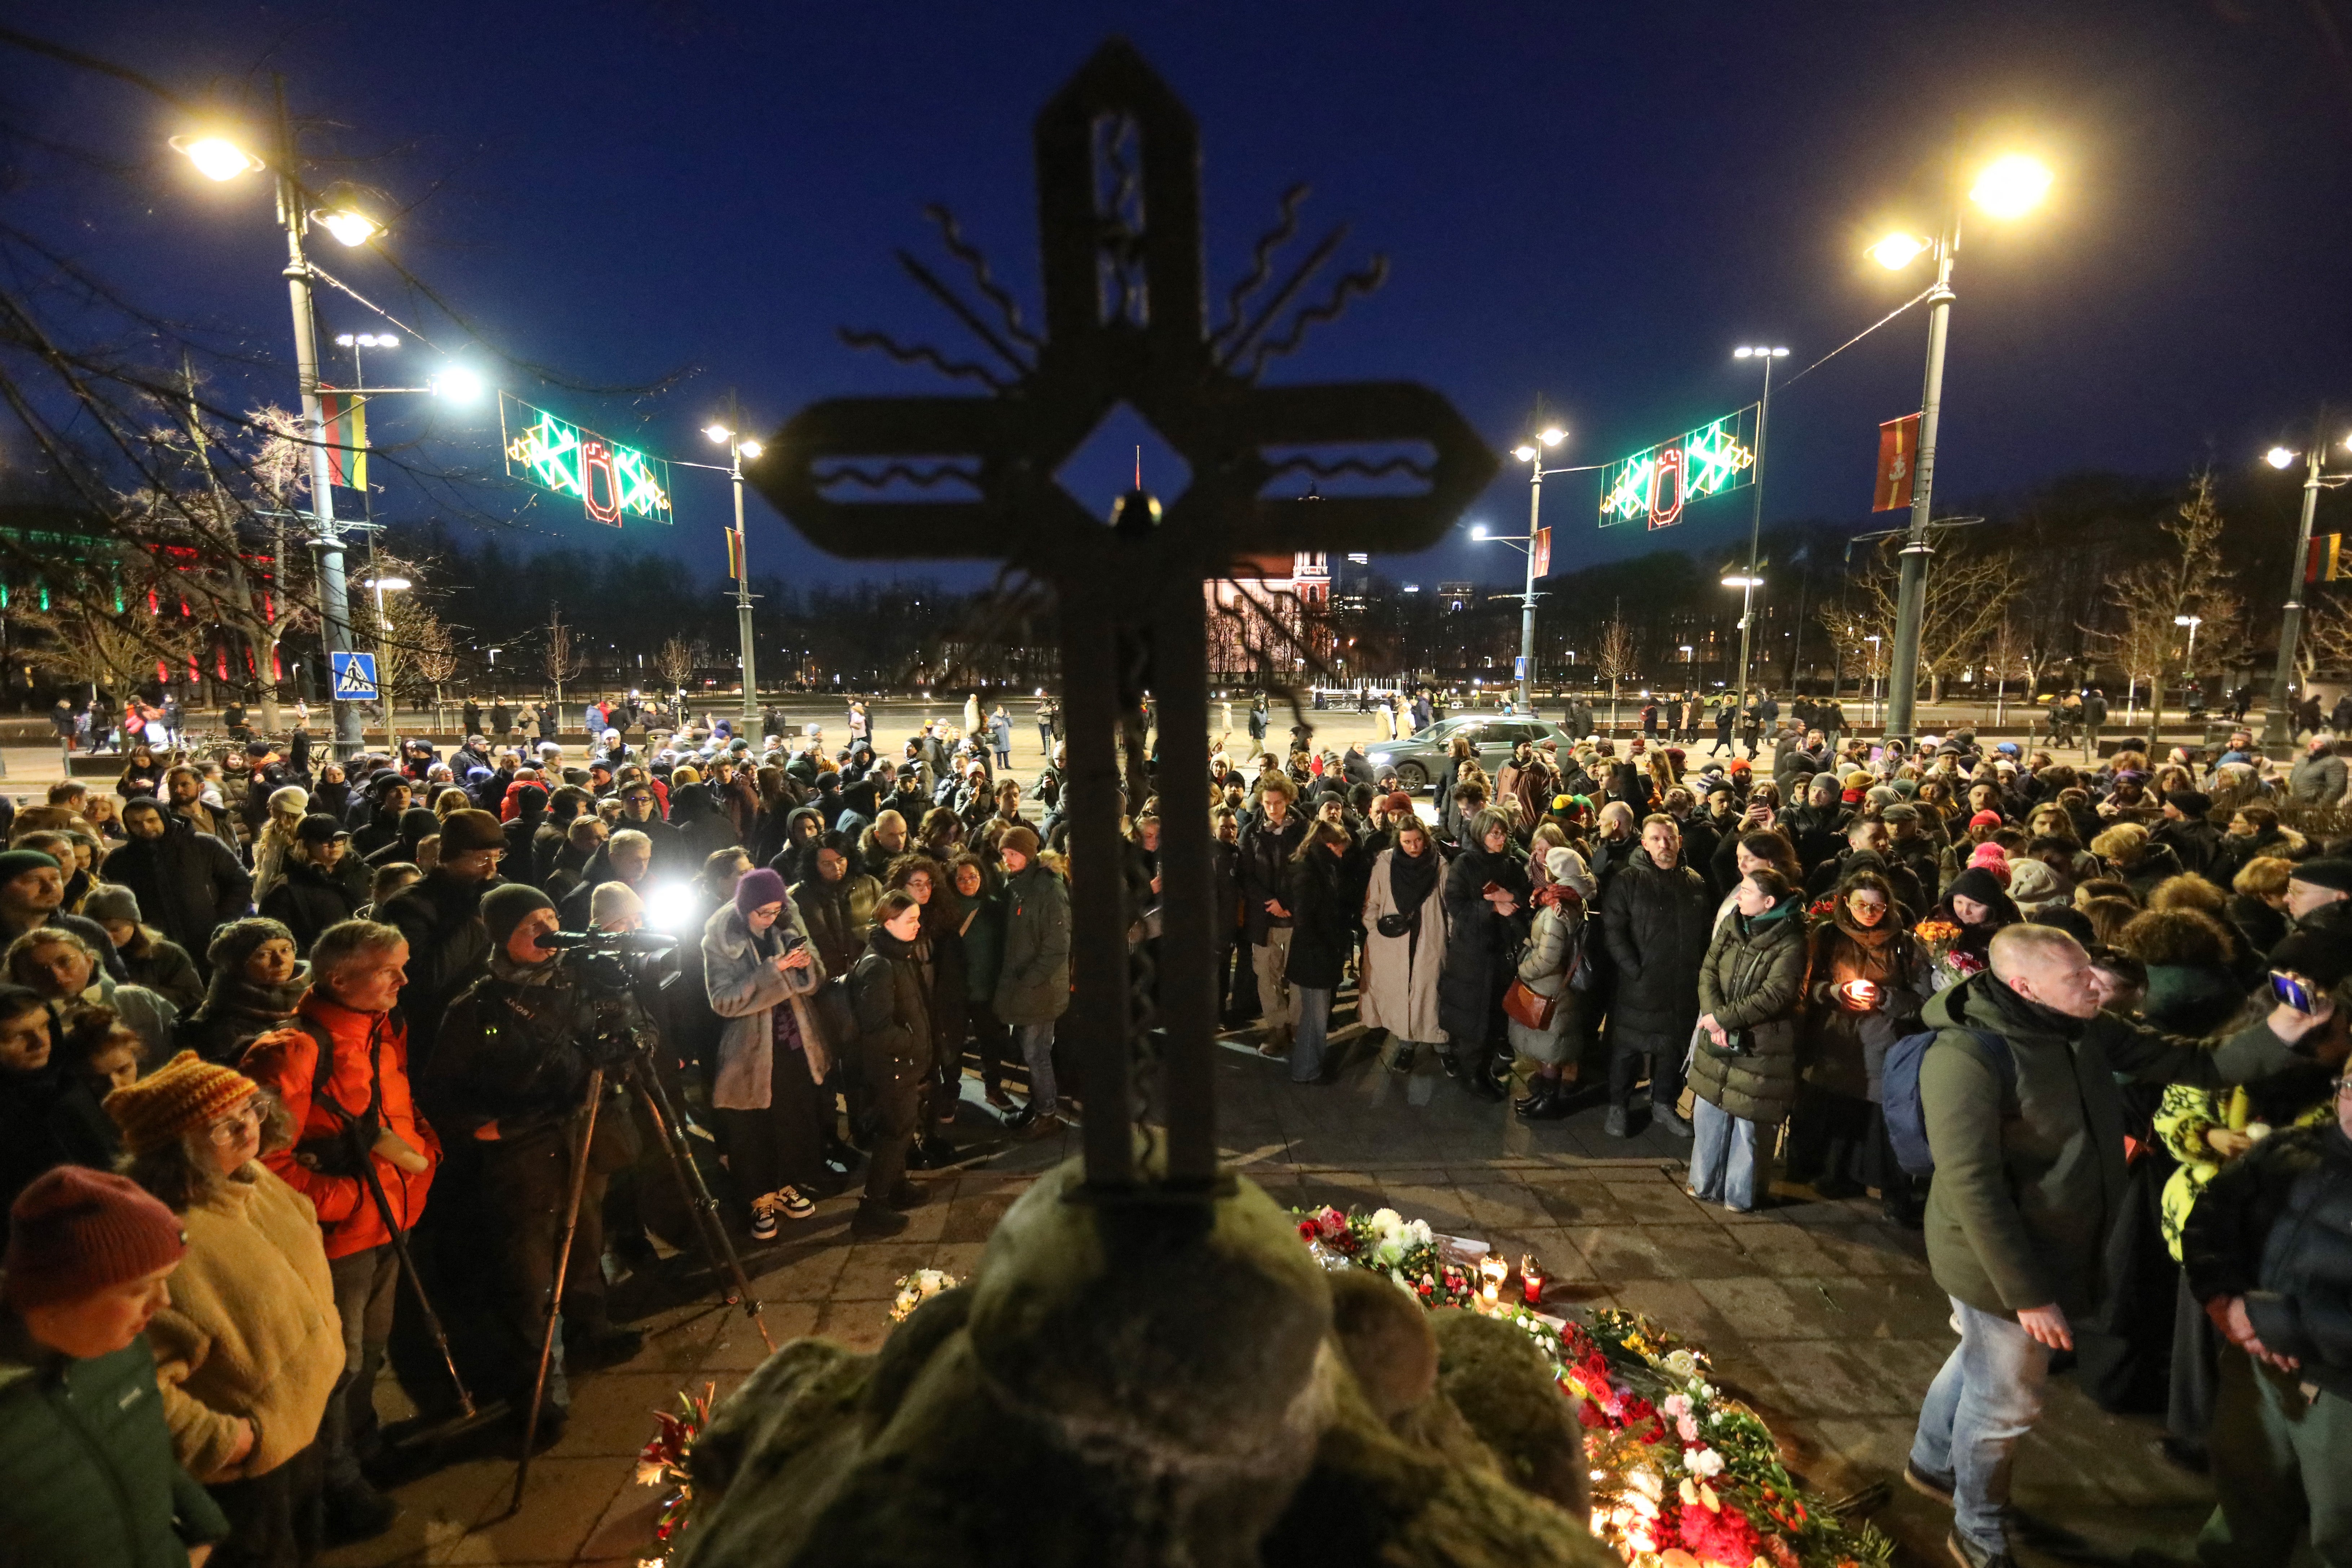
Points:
1418	759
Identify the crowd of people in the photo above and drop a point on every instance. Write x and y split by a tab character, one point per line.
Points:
2085	995
288	1051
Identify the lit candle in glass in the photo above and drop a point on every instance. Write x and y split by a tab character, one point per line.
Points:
1531	1279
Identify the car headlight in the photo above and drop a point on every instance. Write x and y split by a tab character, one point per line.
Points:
1379	759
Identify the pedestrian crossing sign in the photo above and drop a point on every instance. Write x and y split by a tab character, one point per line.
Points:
354	677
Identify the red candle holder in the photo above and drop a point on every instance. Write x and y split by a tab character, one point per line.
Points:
1531	1279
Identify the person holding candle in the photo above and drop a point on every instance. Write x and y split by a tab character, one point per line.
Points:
1865	982
1743	1069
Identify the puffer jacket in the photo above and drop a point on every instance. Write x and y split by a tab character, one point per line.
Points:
1753	978
835	915
1478	944
87	1476
252	1330
1321	922
2275	1228
1842	1046
1658	924
1556	943
894	1011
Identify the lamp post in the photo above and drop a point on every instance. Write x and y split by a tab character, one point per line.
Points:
1748	580
382	585
738	449
2009	187
1874	641
2278	724
1531	453
219	159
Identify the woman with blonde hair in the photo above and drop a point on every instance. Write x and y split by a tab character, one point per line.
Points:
287	807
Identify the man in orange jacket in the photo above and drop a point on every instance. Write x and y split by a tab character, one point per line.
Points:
342	1071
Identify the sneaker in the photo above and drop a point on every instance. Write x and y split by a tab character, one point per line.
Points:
876	1219
1664	1117
938	1152
1615	1123
793	1203
997	1098
1927	1485
763	1218
1969	1554
1043	1125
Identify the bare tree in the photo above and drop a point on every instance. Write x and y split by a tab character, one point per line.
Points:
437	659
674	662
564	660
2154	601
1967	592
115	623
1614	654
2016	648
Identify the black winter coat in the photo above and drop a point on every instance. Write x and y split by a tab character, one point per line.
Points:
188	882
1321	923
449	950
1265	868
1658	924
307	900
893	1011
1479	945
50	1117
2275	1226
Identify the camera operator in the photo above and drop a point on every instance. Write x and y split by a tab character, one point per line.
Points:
509	1080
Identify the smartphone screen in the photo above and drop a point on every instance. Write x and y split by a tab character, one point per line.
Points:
2291	990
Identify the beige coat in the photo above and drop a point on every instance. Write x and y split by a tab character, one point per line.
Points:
1399	984
251	1331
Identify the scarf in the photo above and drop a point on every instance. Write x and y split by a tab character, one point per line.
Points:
1412	878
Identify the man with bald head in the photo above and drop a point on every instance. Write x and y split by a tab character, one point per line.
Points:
2023	1113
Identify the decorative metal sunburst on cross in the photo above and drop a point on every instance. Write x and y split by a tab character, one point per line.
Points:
1119	199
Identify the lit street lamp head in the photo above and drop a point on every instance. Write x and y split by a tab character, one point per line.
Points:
458	384
749	448
1897	251
2011	187
2279	457
349	227
719	433
1477	530
1553	436
389	584
1743	581
1523	453
217	157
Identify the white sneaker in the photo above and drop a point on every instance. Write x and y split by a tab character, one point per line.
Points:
789	1203
763	1218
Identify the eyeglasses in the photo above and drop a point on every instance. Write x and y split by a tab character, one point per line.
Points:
232	1125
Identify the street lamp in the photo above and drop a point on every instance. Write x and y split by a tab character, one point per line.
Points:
738	447
1874	641
1769	354
2008	187
2278	728
1531	453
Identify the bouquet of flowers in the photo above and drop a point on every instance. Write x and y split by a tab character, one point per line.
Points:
665	1460
919	1287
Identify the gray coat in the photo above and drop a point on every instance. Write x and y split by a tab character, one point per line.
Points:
745	989
2316	780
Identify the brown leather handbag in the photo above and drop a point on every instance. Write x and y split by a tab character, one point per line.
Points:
1528	1007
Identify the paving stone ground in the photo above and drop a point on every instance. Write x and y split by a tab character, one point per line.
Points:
1818	1314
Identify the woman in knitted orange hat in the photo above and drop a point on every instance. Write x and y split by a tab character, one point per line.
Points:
248	1351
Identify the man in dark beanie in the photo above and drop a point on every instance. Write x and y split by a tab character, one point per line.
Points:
447	948
2188	829
86	1474
324	887
33	893
508	1084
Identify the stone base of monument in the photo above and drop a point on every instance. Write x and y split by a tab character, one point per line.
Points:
1143	1383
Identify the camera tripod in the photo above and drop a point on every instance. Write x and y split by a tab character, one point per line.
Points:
639	1074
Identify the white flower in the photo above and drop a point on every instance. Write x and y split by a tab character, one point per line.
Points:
1703	1462
1391	1250
1386	1222
1418	1234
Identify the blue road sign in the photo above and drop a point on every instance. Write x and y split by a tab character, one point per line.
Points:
354	677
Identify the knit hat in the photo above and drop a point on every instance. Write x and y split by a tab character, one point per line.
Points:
74	1232
183	1095
2316	958
505	907
233	943
756	889
318	828
1977	883
14	863
469	830
1022	839
1985	820
2193	804
1397	803
2031	883
109	901
1991	857
2333	872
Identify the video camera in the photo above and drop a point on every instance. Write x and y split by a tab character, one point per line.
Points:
602	960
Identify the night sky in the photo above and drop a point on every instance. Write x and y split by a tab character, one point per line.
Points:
1591	210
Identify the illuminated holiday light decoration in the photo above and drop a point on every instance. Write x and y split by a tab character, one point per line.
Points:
613	482
1656	483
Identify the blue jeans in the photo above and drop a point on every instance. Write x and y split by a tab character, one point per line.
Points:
1723	1165
1314	1028
1988	1396
1036	1041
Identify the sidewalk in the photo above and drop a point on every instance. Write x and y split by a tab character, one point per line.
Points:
1818	1313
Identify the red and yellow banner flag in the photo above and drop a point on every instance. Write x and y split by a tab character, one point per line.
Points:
1898	459
2325	562
1543	552
735	554
344	416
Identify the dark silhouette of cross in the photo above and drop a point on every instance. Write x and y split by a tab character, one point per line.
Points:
1119	199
